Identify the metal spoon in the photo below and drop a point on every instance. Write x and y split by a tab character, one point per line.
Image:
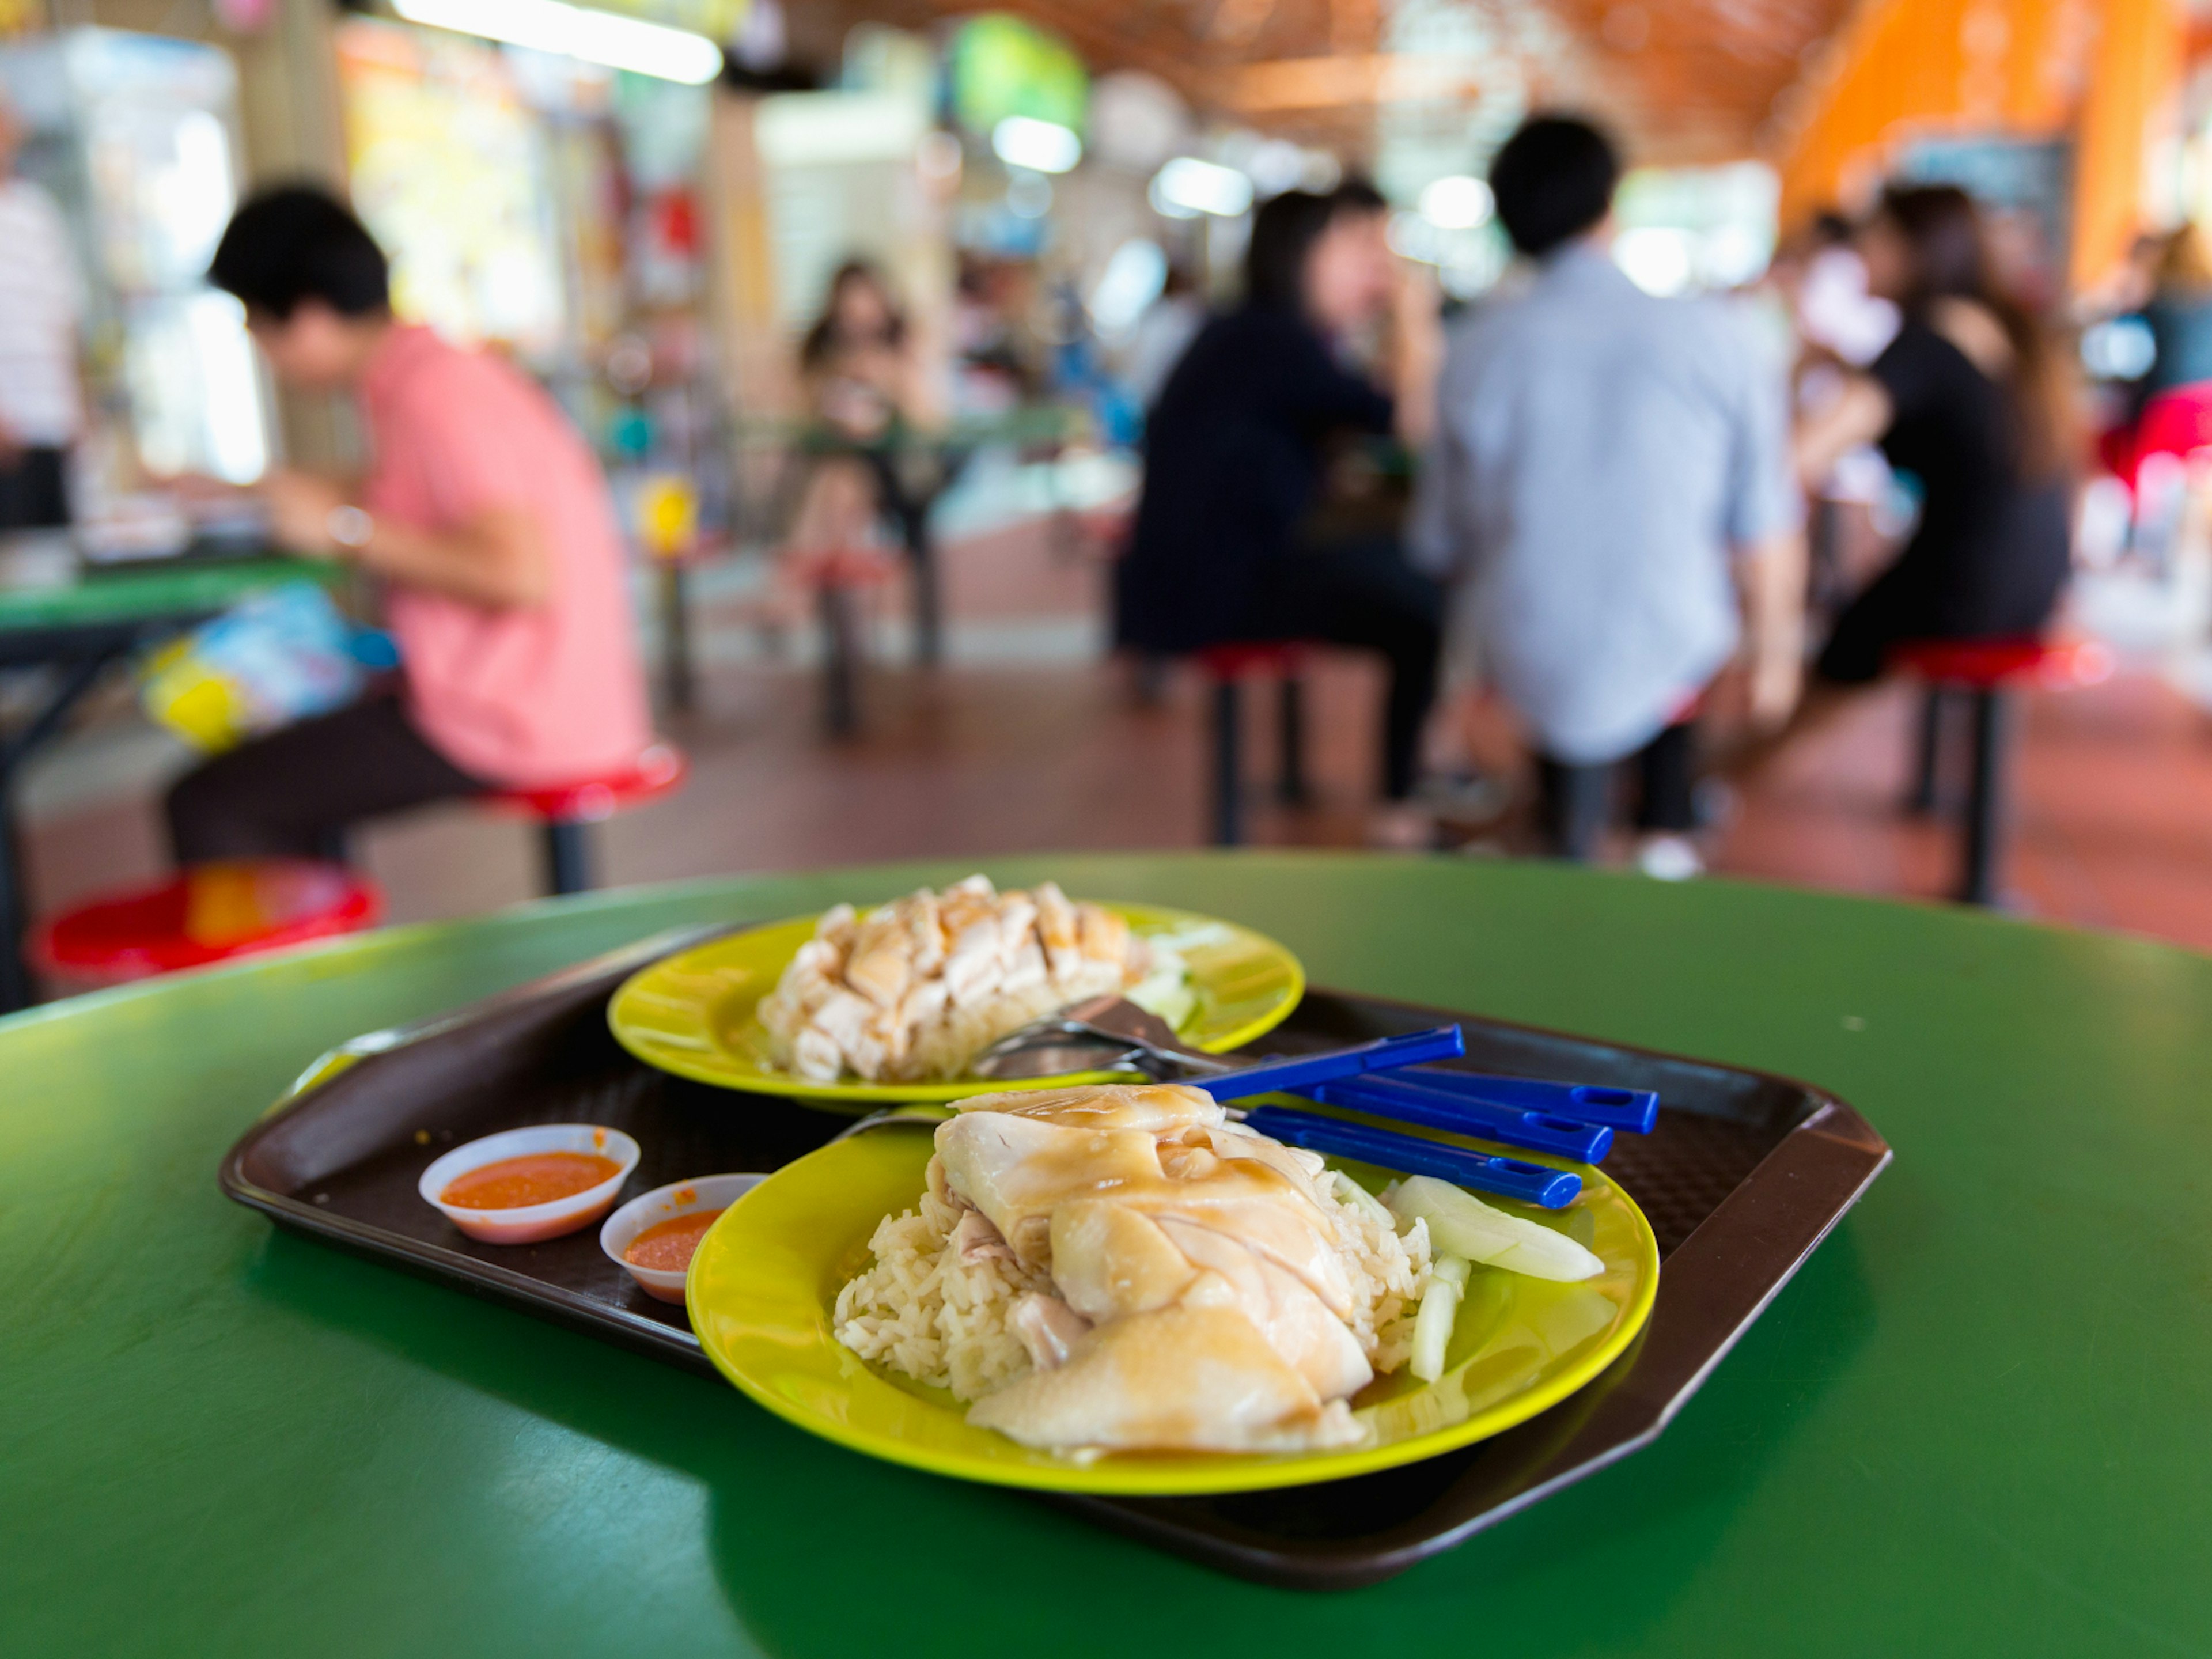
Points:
1104	1033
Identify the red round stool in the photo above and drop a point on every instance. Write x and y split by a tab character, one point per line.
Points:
2178	422
211	913
565	808
1225	667
1987	671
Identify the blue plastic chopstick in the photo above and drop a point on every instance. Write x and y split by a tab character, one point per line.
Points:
1395	1095
1633	1110
1444	1042
1509	1177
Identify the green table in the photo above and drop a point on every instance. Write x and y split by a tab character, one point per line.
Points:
95	598
1976	1422
57	615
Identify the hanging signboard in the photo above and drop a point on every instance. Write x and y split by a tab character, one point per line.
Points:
1003	65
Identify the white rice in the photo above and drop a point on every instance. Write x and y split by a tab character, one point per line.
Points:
923	1312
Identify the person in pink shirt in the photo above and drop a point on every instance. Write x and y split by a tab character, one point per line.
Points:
486	516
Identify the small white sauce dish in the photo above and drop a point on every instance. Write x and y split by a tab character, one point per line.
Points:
666	1204
527	1224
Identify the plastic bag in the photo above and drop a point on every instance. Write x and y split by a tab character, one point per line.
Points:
279	657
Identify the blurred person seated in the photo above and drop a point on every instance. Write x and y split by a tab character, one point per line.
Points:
2176	311
1836	320
1609	496
1223	547
866	390
41	391
992	370
1836	327
1975	401
487	518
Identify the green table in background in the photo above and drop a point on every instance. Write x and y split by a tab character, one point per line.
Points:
1978	1421
76	622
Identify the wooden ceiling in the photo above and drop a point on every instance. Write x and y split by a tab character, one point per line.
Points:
1701	78
1683	80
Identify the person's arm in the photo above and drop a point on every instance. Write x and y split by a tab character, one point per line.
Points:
496	558
1766	535
1771	576
1857	416
1419	338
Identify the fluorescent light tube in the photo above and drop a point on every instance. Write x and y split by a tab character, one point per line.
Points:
1187	185
1460	202
1023	140
584	32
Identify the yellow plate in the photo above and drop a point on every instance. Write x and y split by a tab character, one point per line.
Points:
766	1277
692	1013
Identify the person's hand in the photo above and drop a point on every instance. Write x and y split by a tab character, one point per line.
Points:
300	507
11	449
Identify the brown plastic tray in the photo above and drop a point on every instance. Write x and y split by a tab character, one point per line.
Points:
1744	1176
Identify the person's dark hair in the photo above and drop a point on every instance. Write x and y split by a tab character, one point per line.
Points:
1950	259
1552	181
298	242
1283	232
823	339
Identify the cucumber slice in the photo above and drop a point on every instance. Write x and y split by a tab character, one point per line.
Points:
1432	1325
1461	1224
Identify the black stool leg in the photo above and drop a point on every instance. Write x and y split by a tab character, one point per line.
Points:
1228	765
1576	807
15	915
1928	754
928	597
1291	787
1986	804
568	857
840	668
681	683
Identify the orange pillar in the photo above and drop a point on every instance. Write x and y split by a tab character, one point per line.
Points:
1902	67
2135	80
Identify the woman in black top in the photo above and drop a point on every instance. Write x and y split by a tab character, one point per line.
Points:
1234	461
1972	400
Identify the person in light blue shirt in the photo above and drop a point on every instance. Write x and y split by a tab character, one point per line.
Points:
1609	495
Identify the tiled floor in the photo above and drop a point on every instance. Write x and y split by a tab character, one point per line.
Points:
1034	745
2113	825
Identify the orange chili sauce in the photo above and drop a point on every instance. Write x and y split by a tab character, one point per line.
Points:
667	1245
512	1183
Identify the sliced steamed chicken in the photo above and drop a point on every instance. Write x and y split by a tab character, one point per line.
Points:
1182	1378
1202	1292
931	979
